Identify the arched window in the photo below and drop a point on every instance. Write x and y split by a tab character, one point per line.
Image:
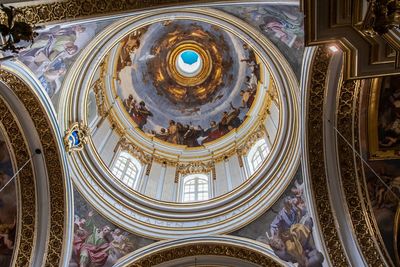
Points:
195	188
257	154
127	169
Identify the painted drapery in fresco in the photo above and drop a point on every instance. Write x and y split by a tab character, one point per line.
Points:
98	242
54	51
282	25
287	228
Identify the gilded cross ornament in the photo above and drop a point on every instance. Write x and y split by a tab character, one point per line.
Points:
76	137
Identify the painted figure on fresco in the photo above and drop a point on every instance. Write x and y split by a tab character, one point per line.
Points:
128	48
184	121
290	233
283	31
189	135
96	245
52	49
389	116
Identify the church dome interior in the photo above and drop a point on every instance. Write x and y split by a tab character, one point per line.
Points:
199	133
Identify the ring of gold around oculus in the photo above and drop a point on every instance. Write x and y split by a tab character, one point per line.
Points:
185	76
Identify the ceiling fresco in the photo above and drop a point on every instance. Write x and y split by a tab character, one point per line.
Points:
98	242
288	228
282	24
54	51
203	100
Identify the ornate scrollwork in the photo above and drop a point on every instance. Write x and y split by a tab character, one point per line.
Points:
26	181
350	164
76	137
72	9
259	133
135	151
194	167
318	176
99	91
100	97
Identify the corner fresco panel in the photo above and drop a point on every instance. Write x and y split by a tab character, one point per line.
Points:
287	228
54	51
97	242
282	25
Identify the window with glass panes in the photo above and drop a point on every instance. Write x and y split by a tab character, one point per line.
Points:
258	154
195	188
126	169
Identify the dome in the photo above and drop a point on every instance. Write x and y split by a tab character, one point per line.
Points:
188	113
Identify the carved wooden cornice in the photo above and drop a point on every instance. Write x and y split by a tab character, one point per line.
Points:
56	11
353	186
318	177
341	22
54	172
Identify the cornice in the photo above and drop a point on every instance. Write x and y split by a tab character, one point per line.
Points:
26	185
55	174
205	249
241	249
317	172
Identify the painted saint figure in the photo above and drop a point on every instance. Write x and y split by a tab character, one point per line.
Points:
92	246
291	232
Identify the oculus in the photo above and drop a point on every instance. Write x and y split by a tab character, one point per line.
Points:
189	63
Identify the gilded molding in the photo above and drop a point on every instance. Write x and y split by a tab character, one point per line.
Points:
99	91
76	137
78	9
135	151
25	179
100	97
194	167
54	172
315	136
225	250
352	177
259	133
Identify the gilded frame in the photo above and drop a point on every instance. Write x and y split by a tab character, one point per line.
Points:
375	152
